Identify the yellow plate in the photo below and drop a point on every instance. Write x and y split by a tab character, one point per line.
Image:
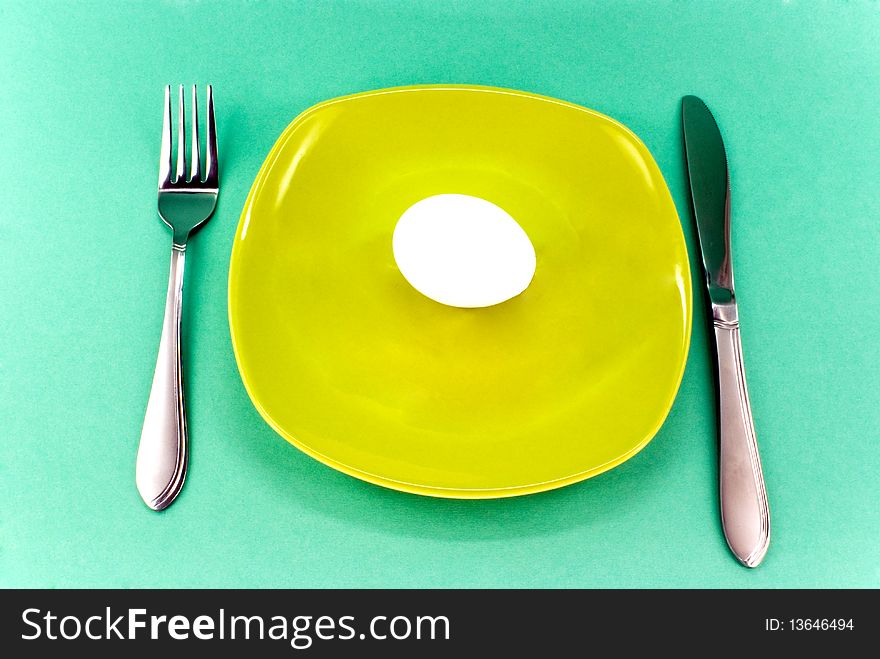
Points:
344	359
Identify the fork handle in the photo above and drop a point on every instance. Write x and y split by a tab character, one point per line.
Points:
162	455
745	514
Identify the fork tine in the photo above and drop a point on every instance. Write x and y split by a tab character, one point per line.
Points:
165	152
195	172
211	173
181	139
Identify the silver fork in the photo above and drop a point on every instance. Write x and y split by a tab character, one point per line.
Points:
184	205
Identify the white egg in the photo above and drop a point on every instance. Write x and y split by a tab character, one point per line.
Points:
463	251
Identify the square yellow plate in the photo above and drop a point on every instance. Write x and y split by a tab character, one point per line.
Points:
347	361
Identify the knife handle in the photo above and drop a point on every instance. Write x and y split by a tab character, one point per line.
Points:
745	513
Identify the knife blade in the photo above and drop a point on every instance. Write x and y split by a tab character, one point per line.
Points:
745	513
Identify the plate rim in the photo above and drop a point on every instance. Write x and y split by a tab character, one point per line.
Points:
431	490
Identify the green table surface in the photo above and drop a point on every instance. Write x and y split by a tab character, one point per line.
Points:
83	263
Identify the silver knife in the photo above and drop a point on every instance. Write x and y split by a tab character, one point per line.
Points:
745	514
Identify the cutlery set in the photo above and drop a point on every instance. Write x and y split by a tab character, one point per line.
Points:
416	384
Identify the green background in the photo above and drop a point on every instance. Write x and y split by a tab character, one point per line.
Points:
83	264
